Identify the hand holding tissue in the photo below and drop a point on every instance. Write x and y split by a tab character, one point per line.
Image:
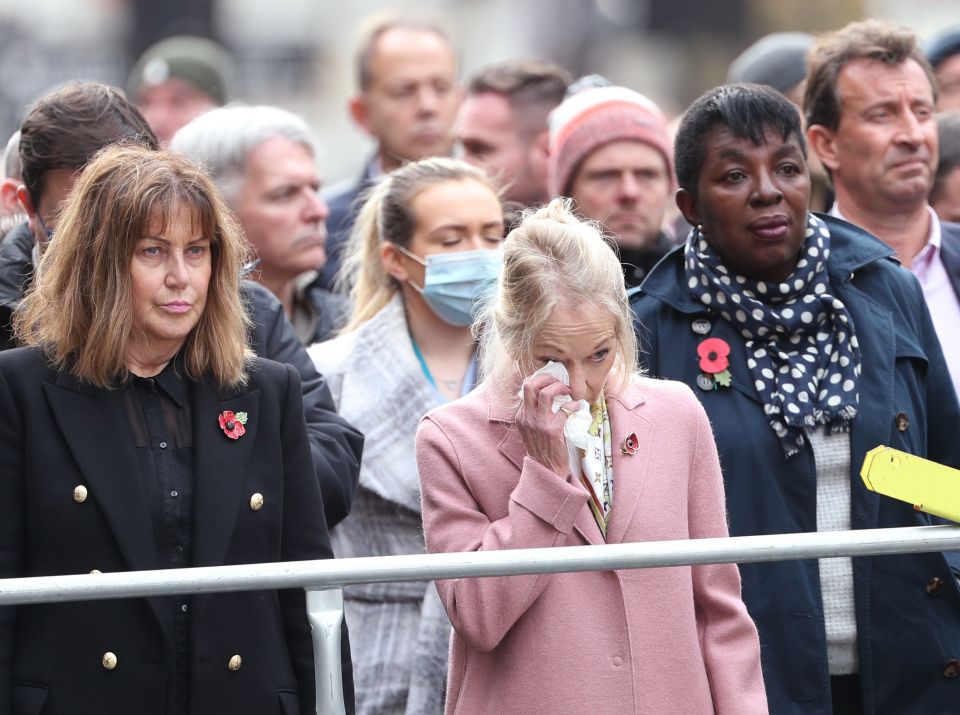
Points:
576	429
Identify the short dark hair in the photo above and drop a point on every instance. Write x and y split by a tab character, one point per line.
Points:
64	129
867	40
948	125
747	110
371	34
532	87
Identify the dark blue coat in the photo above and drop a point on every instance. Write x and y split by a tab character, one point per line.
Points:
907	607
950	252
344	199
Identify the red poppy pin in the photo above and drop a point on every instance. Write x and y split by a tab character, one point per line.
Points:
630	445
714	361
232	424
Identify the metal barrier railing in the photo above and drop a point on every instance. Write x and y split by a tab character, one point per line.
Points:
324	580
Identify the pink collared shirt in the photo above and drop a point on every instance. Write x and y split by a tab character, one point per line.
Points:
942	301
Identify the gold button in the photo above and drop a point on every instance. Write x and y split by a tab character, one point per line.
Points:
95	572
109	661
79	494
256	501
235	662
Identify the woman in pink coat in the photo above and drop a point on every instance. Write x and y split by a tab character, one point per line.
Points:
582	451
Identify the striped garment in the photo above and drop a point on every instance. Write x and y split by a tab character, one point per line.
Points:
399	633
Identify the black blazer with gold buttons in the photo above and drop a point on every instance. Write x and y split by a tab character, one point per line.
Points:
59	437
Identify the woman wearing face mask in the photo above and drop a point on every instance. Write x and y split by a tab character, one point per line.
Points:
425	248
498	472
808	346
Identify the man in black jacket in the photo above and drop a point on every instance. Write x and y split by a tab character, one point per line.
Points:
264	160
60	134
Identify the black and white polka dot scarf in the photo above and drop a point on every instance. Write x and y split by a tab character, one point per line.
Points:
802	351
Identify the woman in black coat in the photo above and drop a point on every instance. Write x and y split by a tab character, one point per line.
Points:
139	432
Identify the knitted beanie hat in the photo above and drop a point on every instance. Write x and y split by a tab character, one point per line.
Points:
596	116
200	61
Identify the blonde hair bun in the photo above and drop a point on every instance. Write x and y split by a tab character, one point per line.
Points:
552	257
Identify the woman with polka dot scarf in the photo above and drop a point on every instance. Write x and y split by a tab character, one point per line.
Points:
808	346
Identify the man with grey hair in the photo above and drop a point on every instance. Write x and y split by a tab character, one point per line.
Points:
264	161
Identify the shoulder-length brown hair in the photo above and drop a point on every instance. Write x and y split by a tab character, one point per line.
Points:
79	306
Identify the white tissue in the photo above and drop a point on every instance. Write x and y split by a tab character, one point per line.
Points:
576	429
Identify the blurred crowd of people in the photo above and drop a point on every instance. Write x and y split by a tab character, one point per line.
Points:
542	313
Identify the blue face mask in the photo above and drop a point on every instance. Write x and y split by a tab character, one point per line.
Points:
456	283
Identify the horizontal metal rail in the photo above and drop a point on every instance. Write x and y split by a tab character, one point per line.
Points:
324	580
336	573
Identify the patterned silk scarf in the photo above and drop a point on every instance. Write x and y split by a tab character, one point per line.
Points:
597	463
801	347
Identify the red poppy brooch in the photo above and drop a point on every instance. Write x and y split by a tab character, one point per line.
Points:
630	445
714	362
232	424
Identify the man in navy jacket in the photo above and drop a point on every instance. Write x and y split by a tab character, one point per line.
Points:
407	102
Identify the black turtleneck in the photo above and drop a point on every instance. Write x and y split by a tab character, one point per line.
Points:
637	263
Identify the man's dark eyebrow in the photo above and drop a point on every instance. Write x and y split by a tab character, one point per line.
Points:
731	154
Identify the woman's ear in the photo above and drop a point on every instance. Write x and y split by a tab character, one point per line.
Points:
688	207
393	262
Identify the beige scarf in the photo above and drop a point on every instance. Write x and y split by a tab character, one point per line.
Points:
596	462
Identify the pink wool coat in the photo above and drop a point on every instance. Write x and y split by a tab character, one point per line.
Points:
658	641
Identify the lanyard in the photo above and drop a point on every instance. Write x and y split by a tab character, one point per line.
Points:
469	377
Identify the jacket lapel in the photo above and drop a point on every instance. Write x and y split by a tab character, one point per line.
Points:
586	525
384	388
220	469
511	447
105	451
629	470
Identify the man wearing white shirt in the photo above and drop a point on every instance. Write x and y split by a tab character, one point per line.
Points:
869	103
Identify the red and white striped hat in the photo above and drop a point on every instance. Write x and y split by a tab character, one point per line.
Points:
597	116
